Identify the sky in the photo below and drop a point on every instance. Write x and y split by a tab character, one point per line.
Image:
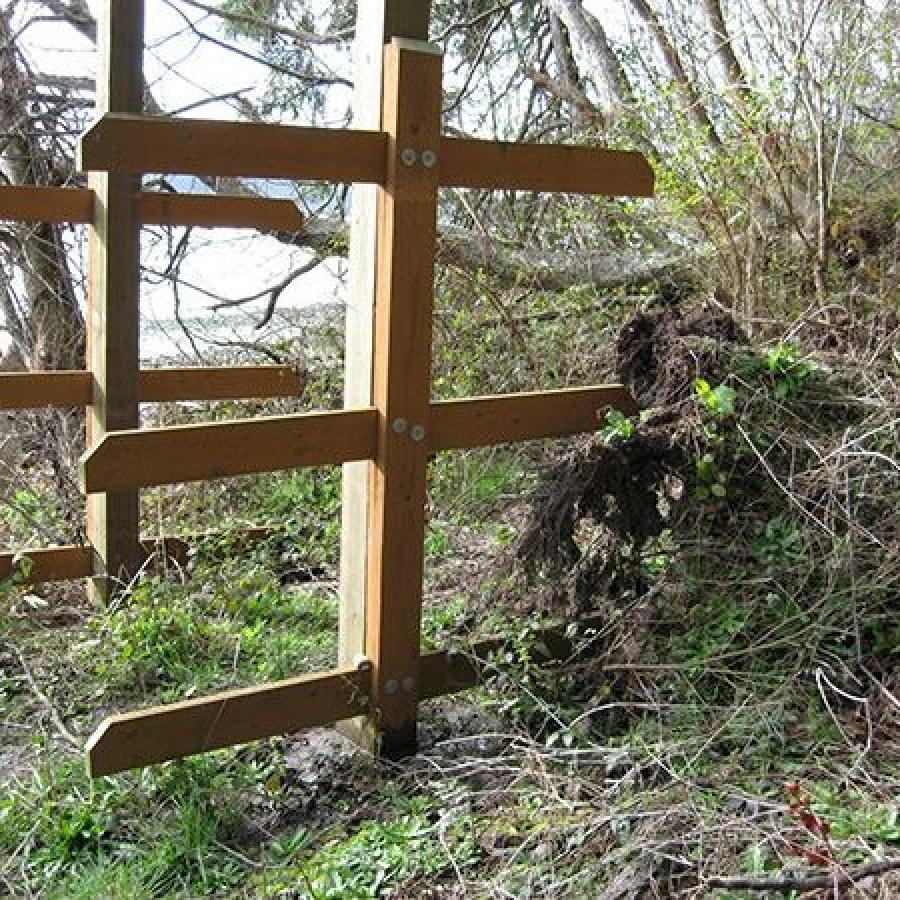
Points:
183	72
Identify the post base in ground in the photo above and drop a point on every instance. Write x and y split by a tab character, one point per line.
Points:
386	743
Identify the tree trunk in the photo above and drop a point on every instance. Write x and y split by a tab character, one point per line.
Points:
46	324
590	36
696	108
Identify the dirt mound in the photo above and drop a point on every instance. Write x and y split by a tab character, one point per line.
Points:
660	352
598	507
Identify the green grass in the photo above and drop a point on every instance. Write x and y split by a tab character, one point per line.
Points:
234	622
667	743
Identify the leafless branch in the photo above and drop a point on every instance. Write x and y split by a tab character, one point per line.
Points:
836	879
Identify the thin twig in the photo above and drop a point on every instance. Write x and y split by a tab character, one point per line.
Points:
804	882
42	698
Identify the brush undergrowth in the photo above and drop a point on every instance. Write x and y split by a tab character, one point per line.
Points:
732	711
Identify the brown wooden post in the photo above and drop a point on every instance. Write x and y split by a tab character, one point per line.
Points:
377	23
113	297
401	388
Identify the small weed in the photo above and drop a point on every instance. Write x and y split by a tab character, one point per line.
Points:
616	427
379	857
479	478
306	505
441	619
780	544
719	400
785	367
710	480
438	540
233	621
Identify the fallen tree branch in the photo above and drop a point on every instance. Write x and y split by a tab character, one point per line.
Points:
804	882
543	270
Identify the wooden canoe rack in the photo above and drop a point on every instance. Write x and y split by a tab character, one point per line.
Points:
394	435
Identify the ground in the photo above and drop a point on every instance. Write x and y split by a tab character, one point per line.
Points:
727	719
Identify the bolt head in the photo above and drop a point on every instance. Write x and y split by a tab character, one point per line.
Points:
429	159
398	425
417	433
391	687
408	156
409	684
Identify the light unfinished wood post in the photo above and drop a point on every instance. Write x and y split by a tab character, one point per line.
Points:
377	23
401	389
113	298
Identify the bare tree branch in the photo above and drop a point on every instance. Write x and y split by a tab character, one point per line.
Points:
305	37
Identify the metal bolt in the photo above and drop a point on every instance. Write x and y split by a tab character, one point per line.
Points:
409	684
399	425
417	433
429	159
409	156
391	687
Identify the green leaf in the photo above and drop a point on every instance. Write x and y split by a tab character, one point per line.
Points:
702	388
724	399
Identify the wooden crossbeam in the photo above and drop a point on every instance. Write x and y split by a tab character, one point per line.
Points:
76	206
74	561
543	167
71	562
218	383
483	421
122	143
47	204
217	211
50	564
30	390
151	456
222	720
162	733
138	144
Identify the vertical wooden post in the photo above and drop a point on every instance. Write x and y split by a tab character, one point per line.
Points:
401	387
113	296
376	23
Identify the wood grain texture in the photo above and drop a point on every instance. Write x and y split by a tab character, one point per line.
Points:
483	421
76	206
544	167
226	383
376	24
222	720
401	390
30	390
151	456
46	204
113	320
121	143
49	564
